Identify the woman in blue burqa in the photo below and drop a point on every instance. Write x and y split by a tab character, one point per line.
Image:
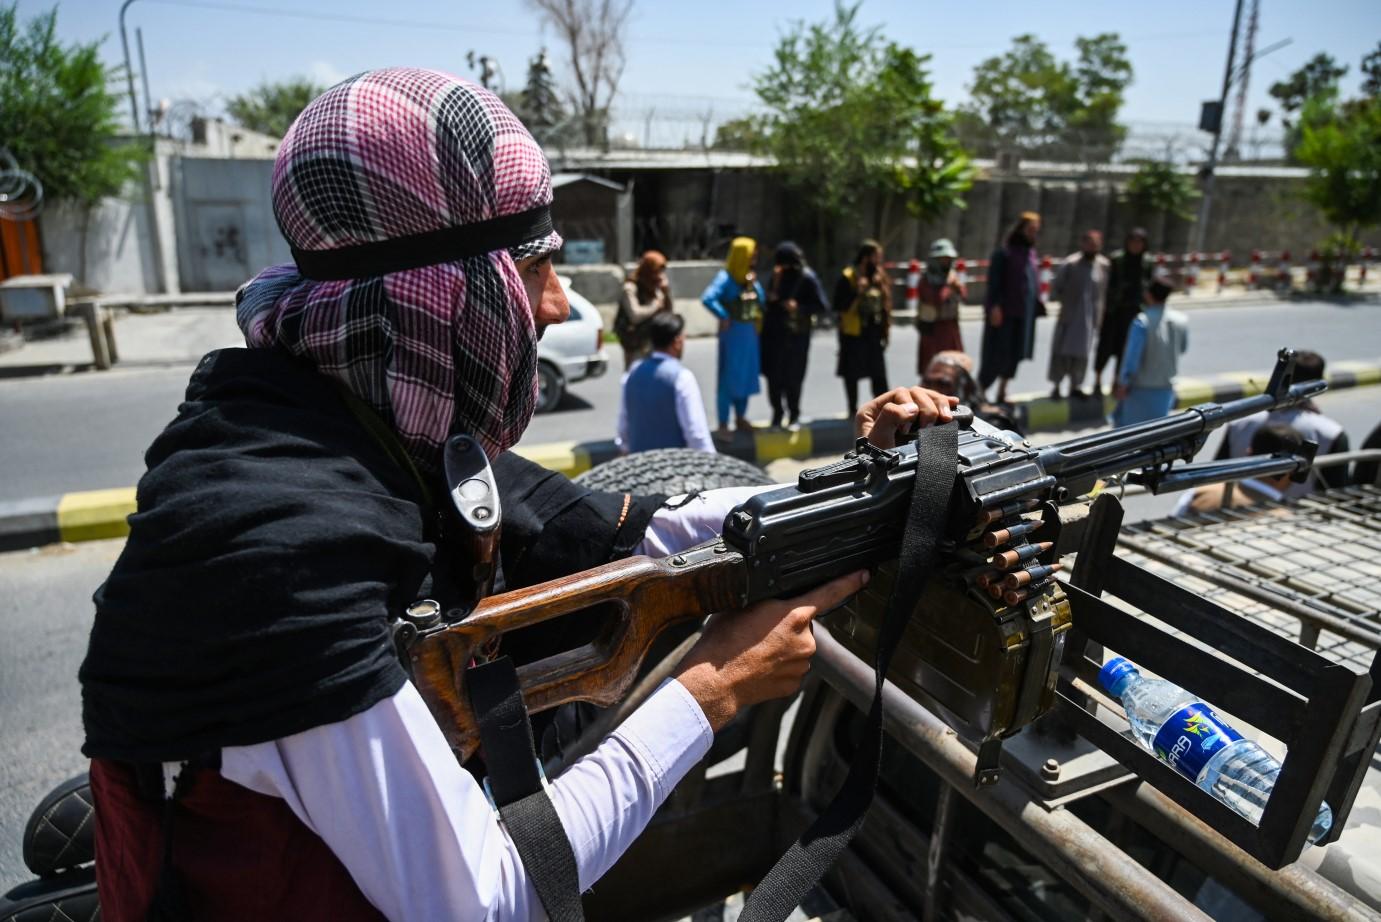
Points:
735	296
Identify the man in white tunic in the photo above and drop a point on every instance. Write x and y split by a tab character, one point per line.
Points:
1081	287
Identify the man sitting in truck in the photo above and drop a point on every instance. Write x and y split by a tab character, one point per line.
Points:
1268	439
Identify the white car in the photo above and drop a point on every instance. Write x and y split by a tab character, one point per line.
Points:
570	351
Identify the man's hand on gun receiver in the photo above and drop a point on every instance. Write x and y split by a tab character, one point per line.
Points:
900	410
760	653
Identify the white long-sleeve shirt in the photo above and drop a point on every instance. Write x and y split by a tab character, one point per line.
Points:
690	412
384	791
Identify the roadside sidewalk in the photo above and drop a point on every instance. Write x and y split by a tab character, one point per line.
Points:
97	514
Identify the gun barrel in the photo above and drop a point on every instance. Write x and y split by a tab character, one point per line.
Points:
1161	440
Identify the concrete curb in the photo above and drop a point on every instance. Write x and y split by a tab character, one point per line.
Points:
85	516
97	514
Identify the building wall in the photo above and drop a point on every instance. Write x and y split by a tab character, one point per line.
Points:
214	221
120	255
691	213
225	227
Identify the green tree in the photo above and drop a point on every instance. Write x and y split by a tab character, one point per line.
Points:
270	108
1319	75
540	104
848	113
57	114
1028	100
1371	73
1341	145
744	133
1159	186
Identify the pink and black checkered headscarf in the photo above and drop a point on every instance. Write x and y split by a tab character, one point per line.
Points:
378	184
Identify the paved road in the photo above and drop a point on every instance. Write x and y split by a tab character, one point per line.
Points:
45	616
89	430
1220	339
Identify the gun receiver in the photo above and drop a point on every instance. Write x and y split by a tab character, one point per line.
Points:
987	659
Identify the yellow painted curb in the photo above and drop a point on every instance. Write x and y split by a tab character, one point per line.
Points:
1047	414
775	444
567	457
1191	391
1365	373
95	514
1252	383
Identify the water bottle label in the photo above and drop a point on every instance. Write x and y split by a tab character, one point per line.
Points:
1191	737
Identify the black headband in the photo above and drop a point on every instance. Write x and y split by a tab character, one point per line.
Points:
417	250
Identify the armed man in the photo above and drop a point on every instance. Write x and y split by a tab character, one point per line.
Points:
258	748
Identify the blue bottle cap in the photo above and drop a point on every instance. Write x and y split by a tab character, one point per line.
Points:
1115	674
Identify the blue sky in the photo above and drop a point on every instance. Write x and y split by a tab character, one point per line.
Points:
686	56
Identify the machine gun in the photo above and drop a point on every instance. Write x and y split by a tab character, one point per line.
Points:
985	643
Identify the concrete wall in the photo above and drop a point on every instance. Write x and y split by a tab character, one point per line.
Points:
130	240
215	223
226	231
692	212
119	255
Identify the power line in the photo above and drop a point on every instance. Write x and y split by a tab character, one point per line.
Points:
425	24
537	34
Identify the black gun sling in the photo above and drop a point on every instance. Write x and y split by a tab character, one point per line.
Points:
807	860
515	784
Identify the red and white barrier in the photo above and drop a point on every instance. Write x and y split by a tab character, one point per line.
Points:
1283	269
1266	267
913	285
1191	272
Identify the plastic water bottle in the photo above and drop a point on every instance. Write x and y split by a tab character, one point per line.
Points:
1189	736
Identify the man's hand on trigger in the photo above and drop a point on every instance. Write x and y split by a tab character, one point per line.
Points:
746	657
883	419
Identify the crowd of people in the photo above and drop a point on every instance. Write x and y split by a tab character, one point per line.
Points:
1111	311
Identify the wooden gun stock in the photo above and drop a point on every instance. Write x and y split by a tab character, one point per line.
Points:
644	597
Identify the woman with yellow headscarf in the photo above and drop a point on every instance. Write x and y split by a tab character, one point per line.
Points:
736	298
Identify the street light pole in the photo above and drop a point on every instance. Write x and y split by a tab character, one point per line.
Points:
1206	203
167	280
129	67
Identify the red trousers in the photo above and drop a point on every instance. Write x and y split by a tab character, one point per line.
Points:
240	854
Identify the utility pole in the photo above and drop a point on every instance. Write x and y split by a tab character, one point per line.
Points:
129	67
167	279
1206	203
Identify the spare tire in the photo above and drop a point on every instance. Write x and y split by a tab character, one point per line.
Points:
671	471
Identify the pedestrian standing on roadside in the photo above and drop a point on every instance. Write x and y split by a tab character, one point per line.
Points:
863	299
1011	304
735	297
794	298
646	293
1158	337
940	293
1081	285
1128	276
660	405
